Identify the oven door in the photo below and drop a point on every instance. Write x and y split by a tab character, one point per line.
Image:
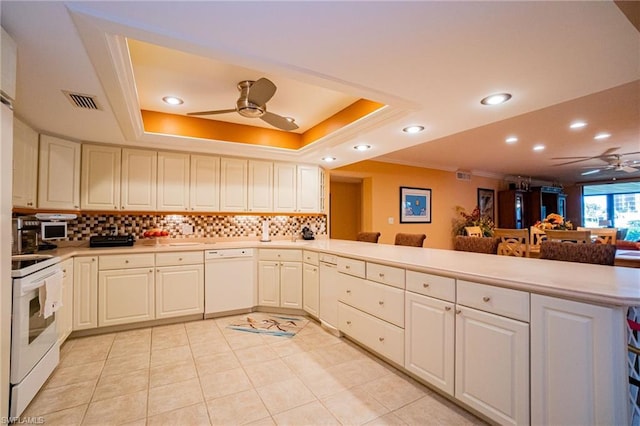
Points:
32	335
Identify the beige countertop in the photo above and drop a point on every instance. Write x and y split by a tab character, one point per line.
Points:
578	281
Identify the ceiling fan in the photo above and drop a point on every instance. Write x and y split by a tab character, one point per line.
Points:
252	103
614	162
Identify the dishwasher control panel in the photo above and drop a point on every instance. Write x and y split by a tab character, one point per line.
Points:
226	253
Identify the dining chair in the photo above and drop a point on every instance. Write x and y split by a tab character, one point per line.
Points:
512	242
602	235
568	236
473	231
487	245
600	254
411	240
368	237
536	236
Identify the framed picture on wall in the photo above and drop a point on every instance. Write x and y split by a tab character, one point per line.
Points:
486	201
415	205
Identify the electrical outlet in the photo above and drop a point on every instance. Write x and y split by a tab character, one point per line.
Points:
187	229
390	219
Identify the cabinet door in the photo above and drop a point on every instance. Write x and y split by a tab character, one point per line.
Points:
25	165
139	171
577	354
9	62
291	285
284	187
64	315
204	191
173	181
260	186
233	185
492	365
179	291
268	283
85	292
308	189
101	167
59	174
310	289
429	340
125	296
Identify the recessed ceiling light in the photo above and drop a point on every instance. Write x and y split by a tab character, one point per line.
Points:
511	139
413	129
601	136
172	100
328	159
590	172
538	148
578	125
496	99
362	147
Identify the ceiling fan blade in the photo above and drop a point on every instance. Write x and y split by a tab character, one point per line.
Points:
608	153
574	161
219	111
278	121
261	91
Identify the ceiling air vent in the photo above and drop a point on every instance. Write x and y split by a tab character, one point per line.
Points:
82	101
460	175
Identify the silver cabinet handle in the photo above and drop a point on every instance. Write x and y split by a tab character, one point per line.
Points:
486	299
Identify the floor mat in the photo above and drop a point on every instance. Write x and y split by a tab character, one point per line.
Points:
274	325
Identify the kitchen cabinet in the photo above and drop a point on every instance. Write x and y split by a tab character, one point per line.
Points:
173	181
575	370
492	351
233	185
329	290
379	300
296	188
58	174
64	315
85	292
100	177
280	278
25	165
126	295
9	63
204	189
260	186
310	283
179	284
284	187
139	179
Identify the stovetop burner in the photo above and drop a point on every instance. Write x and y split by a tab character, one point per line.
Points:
25	264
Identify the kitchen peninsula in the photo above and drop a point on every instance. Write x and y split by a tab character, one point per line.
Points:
518	340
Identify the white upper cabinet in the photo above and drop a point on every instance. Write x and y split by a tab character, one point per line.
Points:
173	181
25	165
284	187
139	171
296	188
307	188
100	183
204	191
59	174
260	186
9	62
233	185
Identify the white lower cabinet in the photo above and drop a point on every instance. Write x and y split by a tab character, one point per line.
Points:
430	340
576	377
85	292
64	315
126	296
280	278
492	365
179	290
311	284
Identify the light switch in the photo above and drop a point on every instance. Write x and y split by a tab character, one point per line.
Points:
390	220
187	229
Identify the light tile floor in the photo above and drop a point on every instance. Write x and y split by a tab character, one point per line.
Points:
202	373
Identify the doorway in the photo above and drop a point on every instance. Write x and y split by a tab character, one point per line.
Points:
345	207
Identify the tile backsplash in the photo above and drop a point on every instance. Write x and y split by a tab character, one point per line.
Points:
204	226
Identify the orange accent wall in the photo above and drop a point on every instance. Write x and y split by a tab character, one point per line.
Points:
346	209
381	198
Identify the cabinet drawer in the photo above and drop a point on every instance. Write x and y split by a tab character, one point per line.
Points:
501	301
379	300
179	258
127	261
432	285
351	266
385	274
328	258
380	336
310	257
279	254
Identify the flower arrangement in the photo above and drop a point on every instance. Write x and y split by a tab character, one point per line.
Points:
554	221
464	219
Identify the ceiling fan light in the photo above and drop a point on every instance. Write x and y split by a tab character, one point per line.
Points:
538	147
601	136
511	139
496	99
172	100
578	125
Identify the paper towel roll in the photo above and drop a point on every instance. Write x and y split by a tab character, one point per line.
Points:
265	231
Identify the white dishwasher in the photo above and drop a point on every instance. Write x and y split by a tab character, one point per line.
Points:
229	281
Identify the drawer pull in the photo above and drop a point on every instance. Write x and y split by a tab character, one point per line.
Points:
486	299
347	267
381	302
458	311
447	308
179	259
381	339
348	322
126	261
348	291
425	285
381	275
